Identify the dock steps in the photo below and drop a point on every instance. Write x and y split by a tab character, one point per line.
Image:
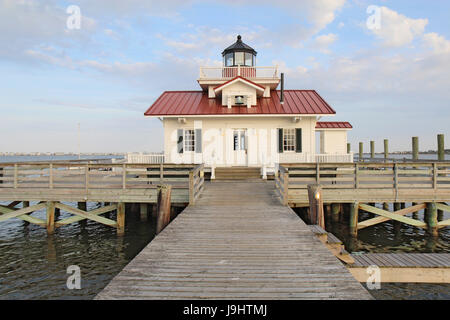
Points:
332	243
238	173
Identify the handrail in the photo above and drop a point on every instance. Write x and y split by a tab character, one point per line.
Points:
87	176
363	175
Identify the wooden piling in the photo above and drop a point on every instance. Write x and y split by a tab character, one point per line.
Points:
316	214
120	219
415	148
50	217
361	146
349	148
354	219
143	211
432	222
82	206
397	224
386	206
163	207
154	211
372	149
26	204
441	147
386	148
335	211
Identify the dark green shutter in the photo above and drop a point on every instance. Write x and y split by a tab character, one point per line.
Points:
298	140
198	140
280	140
180	141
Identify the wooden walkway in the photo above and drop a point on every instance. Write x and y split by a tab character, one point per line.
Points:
236	242
403	267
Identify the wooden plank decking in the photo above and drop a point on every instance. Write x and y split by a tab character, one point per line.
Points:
236	242
403	267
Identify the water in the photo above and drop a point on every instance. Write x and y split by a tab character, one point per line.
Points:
34	265
55	158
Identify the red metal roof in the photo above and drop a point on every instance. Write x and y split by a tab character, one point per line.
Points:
185	103
333	125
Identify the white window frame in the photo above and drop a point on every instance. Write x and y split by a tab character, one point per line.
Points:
189	143
289	140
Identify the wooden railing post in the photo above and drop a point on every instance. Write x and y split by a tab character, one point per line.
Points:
396	179
191	187
86	178
124	176
50	176
15	176
356	176
317	173
435	169
286	188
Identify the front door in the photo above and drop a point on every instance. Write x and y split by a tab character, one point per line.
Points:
240	147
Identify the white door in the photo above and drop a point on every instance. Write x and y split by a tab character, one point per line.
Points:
240	147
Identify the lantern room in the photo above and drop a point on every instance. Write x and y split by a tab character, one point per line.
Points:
239	54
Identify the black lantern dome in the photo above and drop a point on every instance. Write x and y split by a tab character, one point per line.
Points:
239	54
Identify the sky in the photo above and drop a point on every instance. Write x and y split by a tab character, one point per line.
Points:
387	71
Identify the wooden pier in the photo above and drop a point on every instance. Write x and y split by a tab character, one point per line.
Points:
361	185
50	184
403	267
237	242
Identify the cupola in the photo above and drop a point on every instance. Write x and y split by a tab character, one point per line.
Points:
239	54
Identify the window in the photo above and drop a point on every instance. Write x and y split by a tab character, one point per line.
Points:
229	59
248	59
189	140
289	140
239	58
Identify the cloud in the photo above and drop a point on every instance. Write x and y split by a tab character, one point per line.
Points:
438	43
28	24
324	41
397	30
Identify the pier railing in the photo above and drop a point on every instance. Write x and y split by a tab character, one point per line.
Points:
45	178
348	181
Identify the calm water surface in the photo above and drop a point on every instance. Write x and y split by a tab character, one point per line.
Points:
33	265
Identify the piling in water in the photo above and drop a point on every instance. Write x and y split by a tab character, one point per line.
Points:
386	148
372	149
415	148
360	151
441	148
